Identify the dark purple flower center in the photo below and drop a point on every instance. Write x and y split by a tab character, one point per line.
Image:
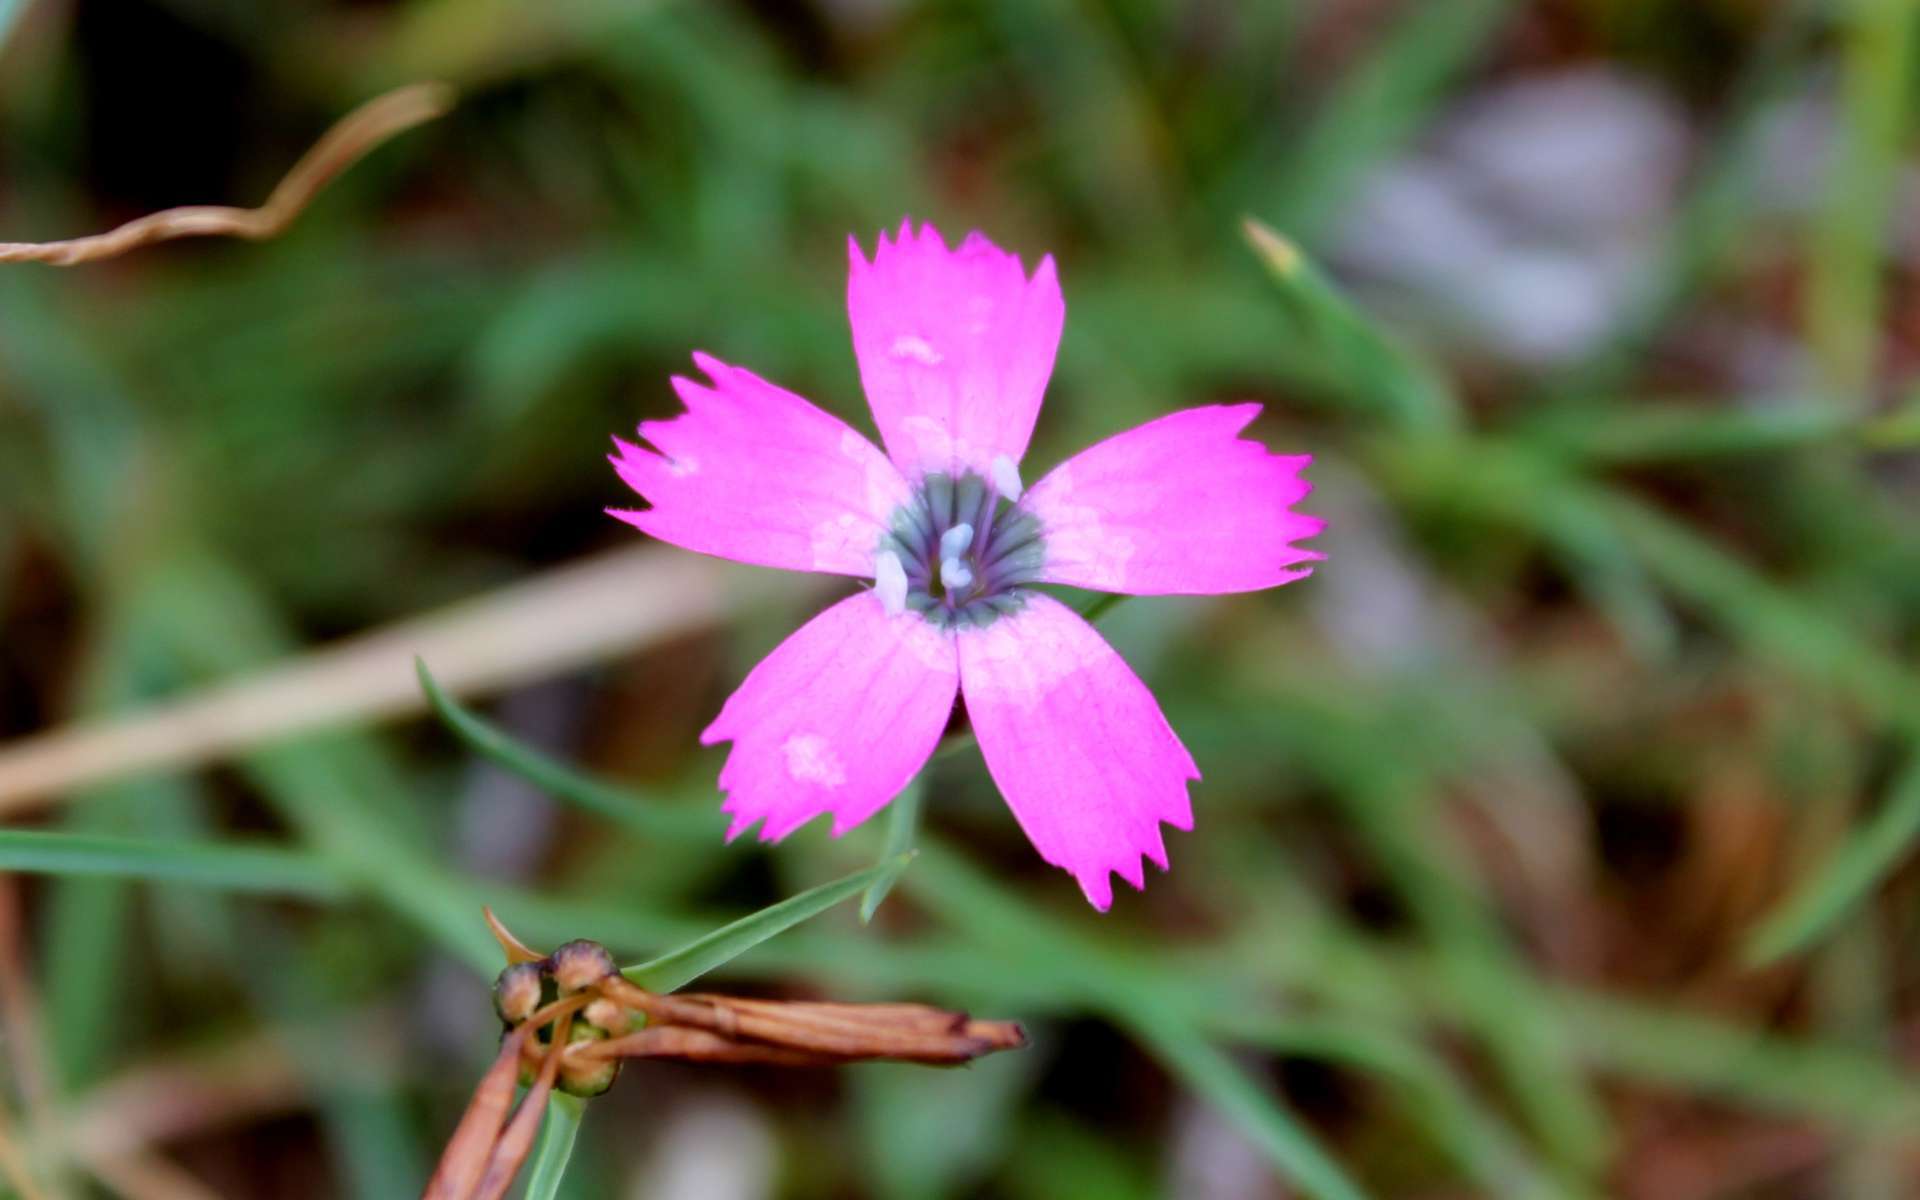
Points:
964	551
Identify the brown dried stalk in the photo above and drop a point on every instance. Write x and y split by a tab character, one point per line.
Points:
572	615
487	1149
465	1159
358	133
830	1032
517	1141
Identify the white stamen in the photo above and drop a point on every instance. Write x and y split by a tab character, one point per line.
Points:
1006	478
954	574
890	583
955	542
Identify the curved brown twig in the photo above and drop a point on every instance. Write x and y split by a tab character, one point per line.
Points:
360	131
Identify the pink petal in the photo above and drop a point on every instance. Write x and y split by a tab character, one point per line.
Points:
955	348
836	720
1178	505
754	473
1076	744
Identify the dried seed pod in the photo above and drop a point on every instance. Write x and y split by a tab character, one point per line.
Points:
516	992
579	965
586	1077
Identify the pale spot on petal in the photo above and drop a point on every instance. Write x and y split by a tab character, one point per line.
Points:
916	349
811	759
1100	555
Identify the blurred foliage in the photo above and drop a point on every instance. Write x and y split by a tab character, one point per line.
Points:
1555	835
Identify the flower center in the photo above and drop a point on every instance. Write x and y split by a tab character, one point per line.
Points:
957	552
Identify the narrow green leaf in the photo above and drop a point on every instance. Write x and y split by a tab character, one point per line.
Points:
624	806
555	1148
903	822
1676	429
1774	622
1715	220
337	790
340	791
1381	103
87	927
1459	1125
1842	1086
237	868
677	968
1201	1065
1359	357
1845	290
1845	879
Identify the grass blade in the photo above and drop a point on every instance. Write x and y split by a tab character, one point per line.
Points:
1820	901
1473	1137
903	822
1358	357
555	1149
1775	623
1382	103
1844	1087
620	805
237	868
1844	294
1202	1066
677	968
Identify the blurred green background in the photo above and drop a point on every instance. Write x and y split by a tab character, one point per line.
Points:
1554	835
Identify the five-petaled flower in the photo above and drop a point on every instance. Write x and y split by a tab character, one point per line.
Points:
955	348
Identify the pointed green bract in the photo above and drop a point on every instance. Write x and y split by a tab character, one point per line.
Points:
677	968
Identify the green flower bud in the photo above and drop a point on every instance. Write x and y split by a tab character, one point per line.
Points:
587	1077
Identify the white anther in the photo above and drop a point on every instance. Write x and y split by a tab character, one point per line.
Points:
1006	478
956	541
890	583
954	574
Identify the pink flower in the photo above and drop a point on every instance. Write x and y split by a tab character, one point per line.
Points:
955	347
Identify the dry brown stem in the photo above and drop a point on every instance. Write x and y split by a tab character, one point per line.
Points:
567	617
831	1032
700	1045
359	132
149	1177
517	1141
471	1146
482	1157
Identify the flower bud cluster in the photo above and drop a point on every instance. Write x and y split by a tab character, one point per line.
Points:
572	972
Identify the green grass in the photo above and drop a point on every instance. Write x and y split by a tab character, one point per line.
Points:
1612	815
